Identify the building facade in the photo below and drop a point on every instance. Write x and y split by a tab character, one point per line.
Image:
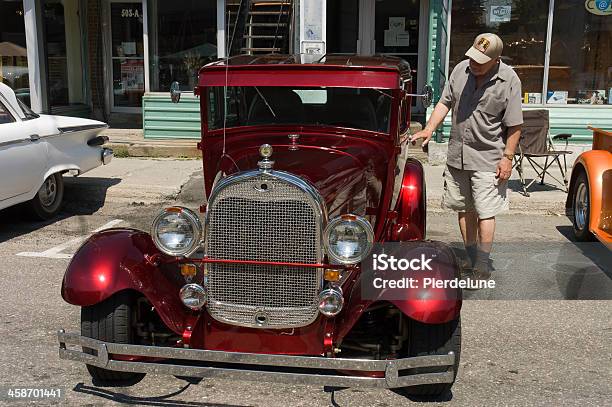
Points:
115	60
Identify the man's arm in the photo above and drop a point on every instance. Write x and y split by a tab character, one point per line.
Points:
504	168
437	116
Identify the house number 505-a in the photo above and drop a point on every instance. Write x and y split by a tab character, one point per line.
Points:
128	12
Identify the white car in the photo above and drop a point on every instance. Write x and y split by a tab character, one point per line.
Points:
36	150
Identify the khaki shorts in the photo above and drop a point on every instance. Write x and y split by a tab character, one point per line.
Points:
479	191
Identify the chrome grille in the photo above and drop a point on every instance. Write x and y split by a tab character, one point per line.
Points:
263	217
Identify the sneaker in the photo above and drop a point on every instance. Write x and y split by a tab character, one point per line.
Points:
475	276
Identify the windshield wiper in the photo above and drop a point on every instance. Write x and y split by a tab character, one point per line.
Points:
265	101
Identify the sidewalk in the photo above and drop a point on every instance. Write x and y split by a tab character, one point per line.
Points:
130	143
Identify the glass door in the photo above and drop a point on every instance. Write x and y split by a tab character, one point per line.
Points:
396	32
126	55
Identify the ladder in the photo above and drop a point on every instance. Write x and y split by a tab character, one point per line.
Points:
259	26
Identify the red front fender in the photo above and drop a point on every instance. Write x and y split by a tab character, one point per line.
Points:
115	260
427	305
410	209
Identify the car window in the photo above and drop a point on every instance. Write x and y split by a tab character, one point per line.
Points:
5	116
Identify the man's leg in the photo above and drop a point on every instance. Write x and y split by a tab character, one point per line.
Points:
486	232
469	225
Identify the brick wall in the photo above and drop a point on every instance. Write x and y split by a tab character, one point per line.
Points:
95	58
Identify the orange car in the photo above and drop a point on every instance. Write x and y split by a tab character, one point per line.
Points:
589	202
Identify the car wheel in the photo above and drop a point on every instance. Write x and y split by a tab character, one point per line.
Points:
581	207
433	339
111	321
48	200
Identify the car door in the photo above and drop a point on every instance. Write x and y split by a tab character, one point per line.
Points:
23	158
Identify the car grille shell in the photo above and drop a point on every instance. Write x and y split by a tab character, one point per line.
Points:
264	216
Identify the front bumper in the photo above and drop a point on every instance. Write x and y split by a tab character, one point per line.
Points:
257	367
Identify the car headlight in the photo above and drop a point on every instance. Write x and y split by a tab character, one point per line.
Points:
176	231
348	239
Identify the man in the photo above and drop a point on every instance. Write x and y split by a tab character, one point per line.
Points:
485	96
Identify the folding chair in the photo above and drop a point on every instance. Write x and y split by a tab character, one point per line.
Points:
536	142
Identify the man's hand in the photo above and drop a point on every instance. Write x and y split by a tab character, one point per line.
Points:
504	169
425	134
437	116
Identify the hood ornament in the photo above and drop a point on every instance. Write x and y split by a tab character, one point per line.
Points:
294	142
265	151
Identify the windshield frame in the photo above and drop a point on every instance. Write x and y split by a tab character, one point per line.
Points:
28	113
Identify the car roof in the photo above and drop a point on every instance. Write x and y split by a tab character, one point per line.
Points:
359	71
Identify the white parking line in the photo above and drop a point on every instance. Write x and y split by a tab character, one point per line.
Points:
56	252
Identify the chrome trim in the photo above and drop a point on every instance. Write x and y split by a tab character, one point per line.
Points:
11	142
237	365
369	232
107	155
195	221
313	197
75	129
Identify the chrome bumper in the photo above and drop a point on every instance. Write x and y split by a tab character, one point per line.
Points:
257	367
107	155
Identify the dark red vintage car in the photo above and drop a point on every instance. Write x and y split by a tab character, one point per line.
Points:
306	167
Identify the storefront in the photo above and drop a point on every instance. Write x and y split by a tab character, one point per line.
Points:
115	60
559	48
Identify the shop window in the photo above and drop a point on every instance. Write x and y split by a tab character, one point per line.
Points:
63	46
13	54
522	25
580	56
342	26
182	38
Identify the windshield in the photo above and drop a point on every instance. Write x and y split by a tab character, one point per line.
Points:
364	109
29	114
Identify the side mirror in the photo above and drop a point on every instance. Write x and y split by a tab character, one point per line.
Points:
175	92
427	96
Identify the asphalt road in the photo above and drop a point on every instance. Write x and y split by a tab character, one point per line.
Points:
542	337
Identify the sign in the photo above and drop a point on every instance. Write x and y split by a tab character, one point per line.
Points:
130	12
396	35
599	7
500	14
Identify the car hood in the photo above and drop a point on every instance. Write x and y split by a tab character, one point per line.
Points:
348	170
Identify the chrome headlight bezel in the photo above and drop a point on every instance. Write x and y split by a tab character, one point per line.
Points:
193	221
348	218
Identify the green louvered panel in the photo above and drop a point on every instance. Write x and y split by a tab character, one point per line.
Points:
573	120
164	119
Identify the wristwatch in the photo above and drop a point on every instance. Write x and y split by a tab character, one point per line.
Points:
509	156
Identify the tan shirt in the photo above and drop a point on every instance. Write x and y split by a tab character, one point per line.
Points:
481	115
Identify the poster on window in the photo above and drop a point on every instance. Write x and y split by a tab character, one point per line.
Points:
500	14
396	35
132	76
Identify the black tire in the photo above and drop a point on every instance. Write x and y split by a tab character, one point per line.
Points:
581	216
434	339
110	321
48	200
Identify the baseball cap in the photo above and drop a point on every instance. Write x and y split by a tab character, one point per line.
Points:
486	47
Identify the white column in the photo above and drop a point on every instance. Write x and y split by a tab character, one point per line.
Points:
36	66
221	36
365	42
145	44
313	25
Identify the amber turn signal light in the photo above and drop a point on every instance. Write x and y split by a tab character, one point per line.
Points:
331	275
189	270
